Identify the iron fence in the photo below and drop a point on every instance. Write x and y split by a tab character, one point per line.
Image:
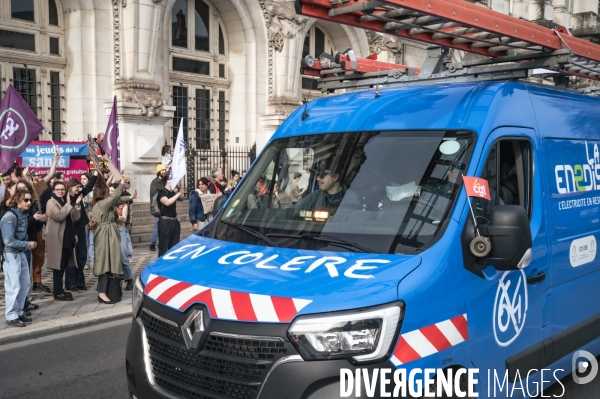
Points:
201	162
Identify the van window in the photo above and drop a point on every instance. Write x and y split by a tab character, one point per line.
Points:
508	170
379	192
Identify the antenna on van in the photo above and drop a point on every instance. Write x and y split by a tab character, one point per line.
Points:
305	115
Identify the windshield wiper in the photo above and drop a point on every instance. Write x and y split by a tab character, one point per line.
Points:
250	231
326	239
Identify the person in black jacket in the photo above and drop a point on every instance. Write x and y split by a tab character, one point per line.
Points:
75	278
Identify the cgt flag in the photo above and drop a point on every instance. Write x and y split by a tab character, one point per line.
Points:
19	126
112	136
178	167
477	187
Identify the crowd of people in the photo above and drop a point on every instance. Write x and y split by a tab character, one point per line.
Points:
66	226
167	229
85	223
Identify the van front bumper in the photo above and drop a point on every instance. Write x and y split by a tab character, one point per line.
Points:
230	360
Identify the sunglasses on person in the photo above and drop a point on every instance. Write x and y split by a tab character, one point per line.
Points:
127	182
321	173
60	189
27	200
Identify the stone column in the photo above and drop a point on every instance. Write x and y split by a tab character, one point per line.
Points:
142	108
285	35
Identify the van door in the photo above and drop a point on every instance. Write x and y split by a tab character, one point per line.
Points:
573	172
507	312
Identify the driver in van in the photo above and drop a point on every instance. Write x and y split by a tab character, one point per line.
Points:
330	194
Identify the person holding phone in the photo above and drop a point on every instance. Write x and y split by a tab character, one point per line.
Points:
169	228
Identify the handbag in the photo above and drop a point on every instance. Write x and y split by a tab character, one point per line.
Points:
114	291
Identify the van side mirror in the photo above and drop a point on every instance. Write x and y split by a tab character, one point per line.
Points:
509	235
219	202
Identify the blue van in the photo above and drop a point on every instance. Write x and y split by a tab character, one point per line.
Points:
351	243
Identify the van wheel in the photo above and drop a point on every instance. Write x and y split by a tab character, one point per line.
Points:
464	384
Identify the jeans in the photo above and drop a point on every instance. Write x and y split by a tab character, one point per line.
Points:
16	283
90	244
154	232
75	277
126	252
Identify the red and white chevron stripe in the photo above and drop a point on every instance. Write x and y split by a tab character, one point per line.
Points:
224	304
420	343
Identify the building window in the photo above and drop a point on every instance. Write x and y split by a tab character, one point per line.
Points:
200	60
54	46
17	40
221	41
25	83
192	66
316	42
22	9
179	30
55	108
30	44
203	112
222	119
202	26
180	101
52	13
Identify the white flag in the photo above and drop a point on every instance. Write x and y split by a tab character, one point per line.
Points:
178	167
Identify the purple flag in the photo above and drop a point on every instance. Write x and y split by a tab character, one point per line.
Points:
112	136
19	126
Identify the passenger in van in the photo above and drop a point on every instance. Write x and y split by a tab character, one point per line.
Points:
330	194
295	191
271	198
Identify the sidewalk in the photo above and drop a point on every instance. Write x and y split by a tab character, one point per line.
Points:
54	316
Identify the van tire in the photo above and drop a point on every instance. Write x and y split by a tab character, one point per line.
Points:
463	384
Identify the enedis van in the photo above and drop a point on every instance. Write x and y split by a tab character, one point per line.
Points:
373	266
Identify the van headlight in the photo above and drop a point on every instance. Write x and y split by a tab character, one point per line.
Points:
359	336
138	296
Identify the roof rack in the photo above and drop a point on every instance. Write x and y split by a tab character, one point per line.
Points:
436	69
514	46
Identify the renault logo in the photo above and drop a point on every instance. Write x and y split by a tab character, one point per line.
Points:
192	329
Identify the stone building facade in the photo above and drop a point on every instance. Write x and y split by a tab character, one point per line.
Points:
228	68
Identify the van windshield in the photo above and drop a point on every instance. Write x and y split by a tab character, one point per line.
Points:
377	192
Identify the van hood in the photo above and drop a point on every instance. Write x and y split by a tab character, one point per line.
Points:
268	284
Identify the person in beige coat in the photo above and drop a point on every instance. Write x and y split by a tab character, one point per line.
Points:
60	236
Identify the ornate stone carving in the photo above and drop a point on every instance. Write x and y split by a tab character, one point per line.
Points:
379	43
282	23
117	37
149	103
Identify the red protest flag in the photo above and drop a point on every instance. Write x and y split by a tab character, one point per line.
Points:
477	187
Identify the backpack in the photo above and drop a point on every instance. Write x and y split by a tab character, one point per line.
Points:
2	240
154	208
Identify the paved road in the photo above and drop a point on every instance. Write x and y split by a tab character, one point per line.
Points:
87	363
90	363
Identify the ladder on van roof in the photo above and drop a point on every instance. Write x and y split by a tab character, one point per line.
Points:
513	46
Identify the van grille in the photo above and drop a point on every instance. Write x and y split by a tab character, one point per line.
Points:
229	367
